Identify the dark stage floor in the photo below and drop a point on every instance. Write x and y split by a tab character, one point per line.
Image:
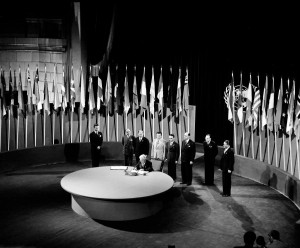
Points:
36	212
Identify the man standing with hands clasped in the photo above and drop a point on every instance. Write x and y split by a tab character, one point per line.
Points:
96	140
210	152
188	152
226	165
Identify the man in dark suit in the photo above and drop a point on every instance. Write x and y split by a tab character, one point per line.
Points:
144	164
96	140
226	165
128	142
141	145
188	152
172	155
210	152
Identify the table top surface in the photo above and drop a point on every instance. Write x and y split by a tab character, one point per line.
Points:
105	183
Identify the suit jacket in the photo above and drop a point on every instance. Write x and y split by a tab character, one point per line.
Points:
210	150
96	140
141	147
227	160
158	149
188	151
172	152
147	166
128	144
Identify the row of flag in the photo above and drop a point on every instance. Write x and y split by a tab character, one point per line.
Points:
261	111
63	94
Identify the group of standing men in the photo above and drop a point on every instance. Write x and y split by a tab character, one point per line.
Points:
169	152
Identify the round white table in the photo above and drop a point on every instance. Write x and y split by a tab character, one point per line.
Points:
108	194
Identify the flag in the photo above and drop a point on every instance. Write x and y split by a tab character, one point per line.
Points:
46	95
290	113
72	90
56	103
91	94
285	105
152	93
230	102
186	94
2	94
11	93
264	106
170	102
29	92
82	91
178	95
240	106
249	117
278	108
126	95
160	93
20	95
108	93
297	117
63	92
143	93
117	97
135	99
99	93
270	113
255	107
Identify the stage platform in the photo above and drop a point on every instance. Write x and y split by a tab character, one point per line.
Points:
105	193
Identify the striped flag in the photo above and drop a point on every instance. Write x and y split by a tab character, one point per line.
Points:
160	93
249	104
178	95
297	117
82	91
278	108
135	100
20	94
240	107
126	94
255	107
152	93
108	93
143	93
91	94
290	113
99	93
29	91
2	94
264	106
270	113
186	94
230	102
72	90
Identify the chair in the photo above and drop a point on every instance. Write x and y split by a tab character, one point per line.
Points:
157	164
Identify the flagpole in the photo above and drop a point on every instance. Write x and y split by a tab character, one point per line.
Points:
117	121
107	124
62	124
291	155
8	141
35	124
80	125
276	156
298	159
243	133
53	120
26	128
71	122
268	143
44	125
162	119
144	124
89	121
283	148
153	120
259	125
0	125
234	121
18	128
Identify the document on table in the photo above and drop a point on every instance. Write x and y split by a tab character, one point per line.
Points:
122	167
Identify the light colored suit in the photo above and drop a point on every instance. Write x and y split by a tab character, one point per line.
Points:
158	149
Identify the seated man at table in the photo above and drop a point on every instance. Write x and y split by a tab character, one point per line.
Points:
144	164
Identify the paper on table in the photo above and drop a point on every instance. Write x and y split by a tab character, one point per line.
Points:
122	167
